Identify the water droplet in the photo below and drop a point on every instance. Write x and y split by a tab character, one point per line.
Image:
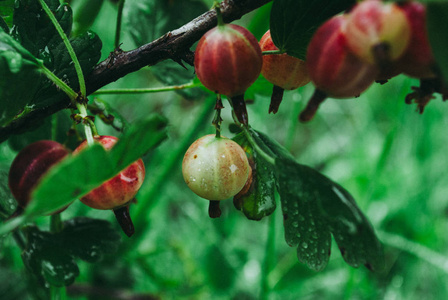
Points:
301	218
304	245
295	224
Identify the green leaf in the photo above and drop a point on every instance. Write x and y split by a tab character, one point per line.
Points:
138	140
149	20
88	50
89	239
221	274
34	30
72	178
47	259
6	11
259	201
93	166
7	203
293	22
314	207
438	34
86	12
51	256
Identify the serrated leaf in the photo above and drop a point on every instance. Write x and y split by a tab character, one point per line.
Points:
32	90
88	51
6	11
259	200
51	256
293	22
314	207
47	260
438	34
89	239
160	17
34	30
138	139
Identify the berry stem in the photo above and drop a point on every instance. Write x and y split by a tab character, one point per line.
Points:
272	52
214	211
124	219
276	99
148	90
313	104
87	127
71	51
118	27
217	120
217	7
58	82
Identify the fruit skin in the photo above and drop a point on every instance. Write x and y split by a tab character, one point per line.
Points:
119	190
372	25
332	67
418	59
215	168
282	70
228	60
30	165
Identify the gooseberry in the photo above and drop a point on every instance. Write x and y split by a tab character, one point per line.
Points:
30	165
284	71
418	60
215	168
333	68
378	32
227	61
118	192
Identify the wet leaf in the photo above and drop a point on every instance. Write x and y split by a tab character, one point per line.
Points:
314	207
7	202
259	200
51	256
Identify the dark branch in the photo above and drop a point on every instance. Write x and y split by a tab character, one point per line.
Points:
174	45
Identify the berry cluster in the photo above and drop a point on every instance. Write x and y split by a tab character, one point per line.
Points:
374	41
37	159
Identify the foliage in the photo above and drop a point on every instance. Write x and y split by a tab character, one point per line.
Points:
375	149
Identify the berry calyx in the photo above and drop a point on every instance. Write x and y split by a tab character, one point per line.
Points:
378	32
215	168
117	192
30	165
284	71
333	68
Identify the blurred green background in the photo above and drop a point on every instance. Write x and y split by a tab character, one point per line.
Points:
389	157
